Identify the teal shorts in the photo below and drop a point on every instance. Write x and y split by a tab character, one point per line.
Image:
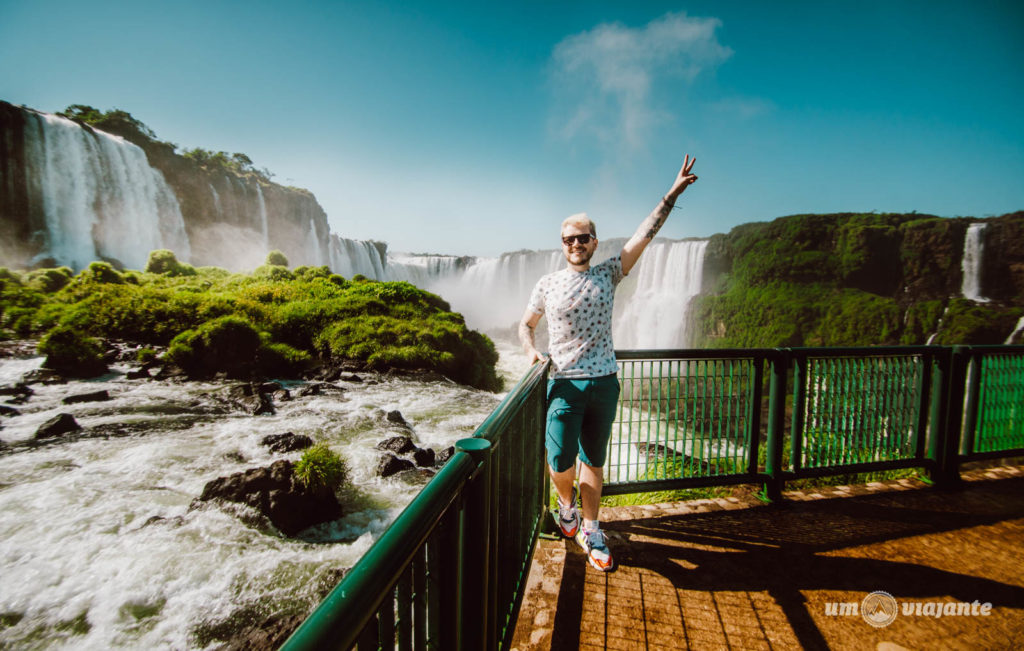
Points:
580	415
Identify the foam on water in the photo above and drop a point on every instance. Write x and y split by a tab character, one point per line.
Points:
100	546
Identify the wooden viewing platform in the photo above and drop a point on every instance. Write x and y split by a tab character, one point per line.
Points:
734	573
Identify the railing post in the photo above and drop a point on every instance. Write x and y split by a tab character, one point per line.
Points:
971	405
776	425
950	469
476	610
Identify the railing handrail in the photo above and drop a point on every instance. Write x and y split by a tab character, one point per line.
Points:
340	618
939	380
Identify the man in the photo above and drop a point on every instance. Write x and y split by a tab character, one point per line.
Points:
583	389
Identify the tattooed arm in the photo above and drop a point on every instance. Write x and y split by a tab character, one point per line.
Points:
527	332
650	226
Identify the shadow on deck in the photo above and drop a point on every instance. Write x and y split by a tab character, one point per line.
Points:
737	574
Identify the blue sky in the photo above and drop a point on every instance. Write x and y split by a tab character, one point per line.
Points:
474	128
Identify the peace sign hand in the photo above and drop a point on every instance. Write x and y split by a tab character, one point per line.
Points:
685	178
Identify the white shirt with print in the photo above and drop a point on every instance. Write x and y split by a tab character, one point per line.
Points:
578	306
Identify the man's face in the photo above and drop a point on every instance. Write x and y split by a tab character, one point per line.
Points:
576	252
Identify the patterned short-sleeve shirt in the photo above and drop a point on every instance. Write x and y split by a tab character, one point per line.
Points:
578	307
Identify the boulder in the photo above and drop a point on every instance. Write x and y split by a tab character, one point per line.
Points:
287	442
59	425
444	455
424	458
390	465
397	418
19	393
138	374
397	444
94	396
8	411
275	492
250	399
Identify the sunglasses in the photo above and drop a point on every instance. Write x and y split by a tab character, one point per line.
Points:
582	239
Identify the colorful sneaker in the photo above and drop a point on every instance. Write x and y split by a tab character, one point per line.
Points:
595	544
569	516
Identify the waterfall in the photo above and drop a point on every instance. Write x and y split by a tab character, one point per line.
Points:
99	196
216	200
351	257
669	277
313	244
974	247
1017	336
264	223
491	293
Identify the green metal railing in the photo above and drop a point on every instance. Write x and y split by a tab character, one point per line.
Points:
449	572
690	418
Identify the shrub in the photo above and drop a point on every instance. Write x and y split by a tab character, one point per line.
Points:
70	352
49	280
276	258
228	344
145	355
101	272
163	261
321	470
273	272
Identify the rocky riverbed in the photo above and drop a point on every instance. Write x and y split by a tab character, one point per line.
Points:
104	542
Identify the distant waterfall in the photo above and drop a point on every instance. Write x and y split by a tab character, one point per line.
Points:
651	303
974	246
351	257
99	196
264	221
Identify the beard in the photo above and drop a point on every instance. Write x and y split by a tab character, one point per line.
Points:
581	256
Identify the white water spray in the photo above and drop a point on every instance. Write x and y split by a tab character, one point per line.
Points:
100	197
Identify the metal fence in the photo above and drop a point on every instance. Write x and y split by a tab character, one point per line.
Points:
449	572
691	418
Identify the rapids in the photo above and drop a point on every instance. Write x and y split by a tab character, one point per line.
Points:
100	549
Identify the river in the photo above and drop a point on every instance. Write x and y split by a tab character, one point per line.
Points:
99	544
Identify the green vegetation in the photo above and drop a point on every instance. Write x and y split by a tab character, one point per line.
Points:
321	470
847	280
275	322
72	353
122	123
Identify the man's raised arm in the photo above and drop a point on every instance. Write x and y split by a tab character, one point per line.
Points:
650	226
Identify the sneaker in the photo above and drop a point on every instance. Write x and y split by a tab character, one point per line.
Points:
569	516
595	544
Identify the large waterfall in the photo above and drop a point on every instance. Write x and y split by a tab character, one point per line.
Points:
651	305
99	196
90	195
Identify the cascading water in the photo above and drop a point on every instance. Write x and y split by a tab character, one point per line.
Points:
102	547
351	257
655	315
974	247
651	303
99	196
264	222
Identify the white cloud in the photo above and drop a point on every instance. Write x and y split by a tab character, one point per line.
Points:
603	77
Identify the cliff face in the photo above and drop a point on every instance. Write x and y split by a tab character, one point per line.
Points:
242	217
854	279
64	200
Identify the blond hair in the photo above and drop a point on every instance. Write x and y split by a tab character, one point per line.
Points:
580	219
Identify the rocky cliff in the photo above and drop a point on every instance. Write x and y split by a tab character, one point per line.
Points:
71	194
863	279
